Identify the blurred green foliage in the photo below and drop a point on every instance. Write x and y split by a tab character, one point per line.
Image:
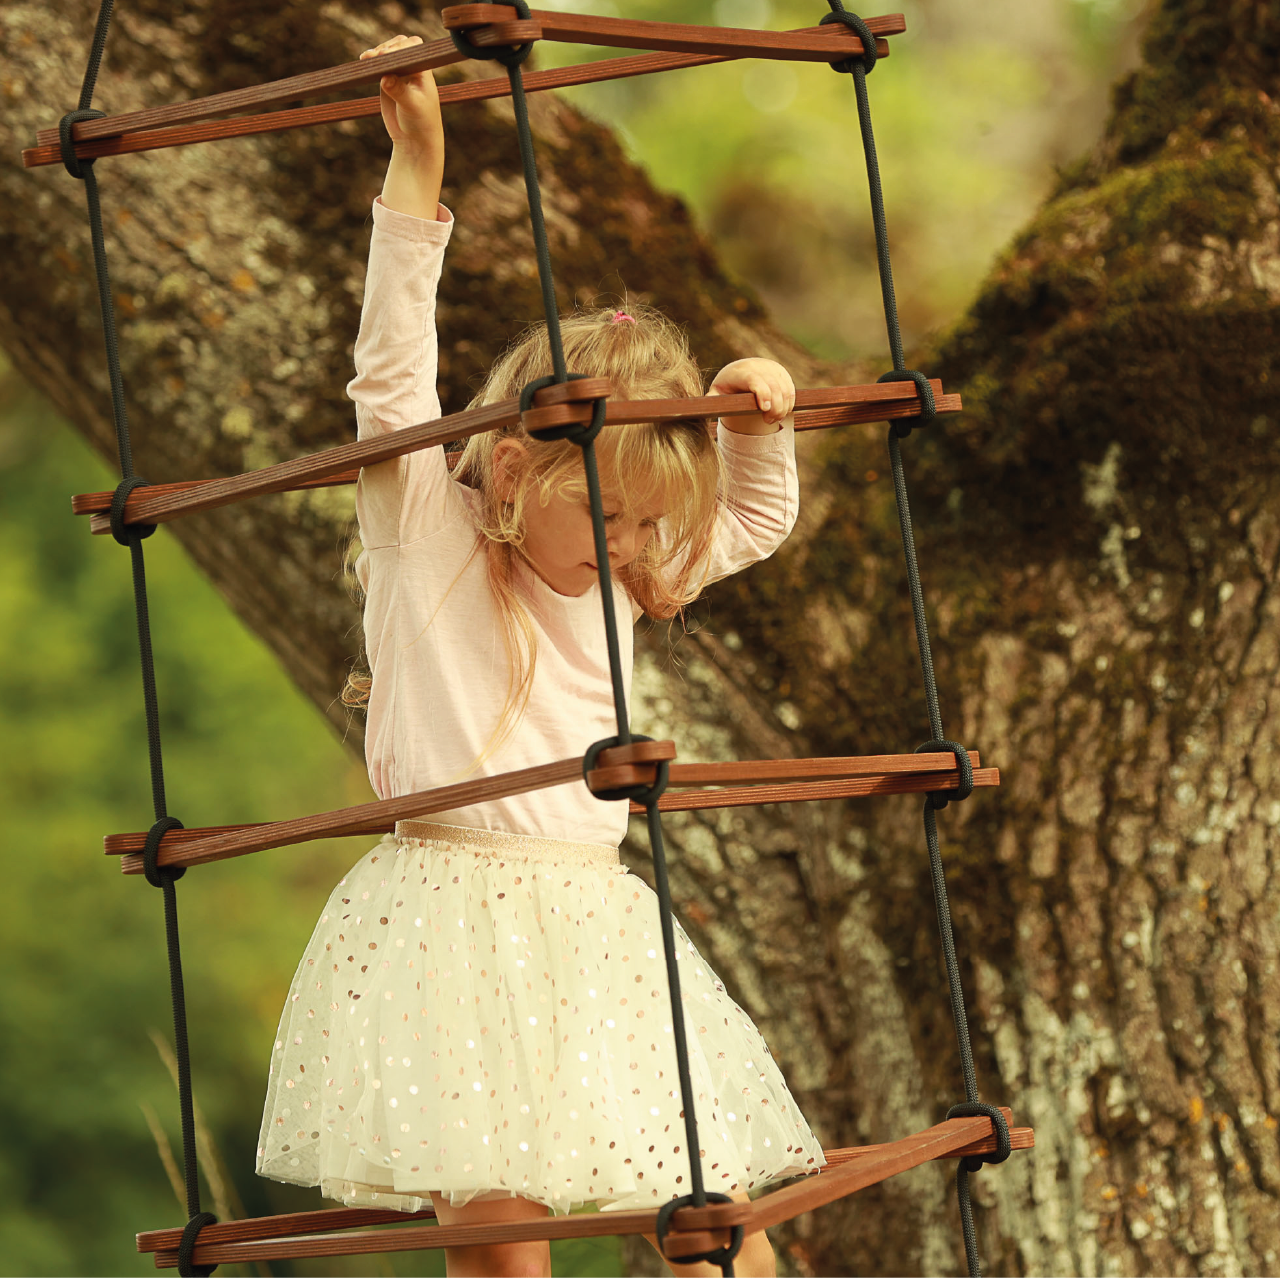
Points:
973	110
83	951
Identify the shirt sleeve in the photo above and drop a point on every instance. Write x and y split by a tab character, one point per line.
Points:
396	361
759	503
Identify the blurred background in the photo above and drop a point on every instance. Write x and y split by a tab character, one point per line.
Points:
974	111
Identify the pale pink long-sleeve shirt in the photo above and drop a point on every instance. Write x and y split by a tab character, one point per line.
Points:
432	631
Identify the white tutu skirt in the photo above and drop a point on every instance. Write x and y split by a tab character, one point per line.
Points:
480	1014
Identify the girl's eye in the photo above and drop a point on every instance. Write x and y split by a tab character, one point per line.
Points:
650	524
610	517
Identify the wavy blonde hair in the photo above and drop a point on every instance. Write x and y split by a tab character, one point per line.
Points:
674	465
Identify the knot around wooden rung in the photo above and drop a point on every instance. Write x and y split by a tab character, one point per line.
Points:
635	770
551	409
502	33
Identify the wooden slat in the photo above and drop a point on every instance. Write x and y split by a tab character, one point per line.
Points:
280	1225
358	819
832	1183
48	150
339	464
941	764
397	1240
130	843
1019	1140
148	508
848	415
183	123
311	84
283	1225
850	776
844	1179
831	767
892	784
718	773
94	504
808	44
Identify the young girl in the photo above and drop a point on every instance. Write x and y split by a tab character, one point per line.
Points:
481	1018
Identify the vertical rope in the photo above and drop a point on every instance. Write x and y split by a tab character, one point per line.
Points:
858	68
585	436
132	536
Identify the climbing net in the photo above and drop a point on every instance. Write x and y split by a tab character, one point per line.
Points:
702	1225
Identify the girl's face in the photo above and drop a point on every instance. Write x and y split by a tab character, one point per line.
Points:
558	540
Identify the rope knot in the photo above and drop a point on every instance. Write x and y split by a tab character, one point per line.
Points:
187	1245
644	793
156	875
722	1257
125	534
903	427
510	57
580	433
964	766
73	164
867	59
971	1164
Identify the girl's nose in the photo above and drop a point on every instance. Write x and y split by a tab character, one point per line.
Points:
622	545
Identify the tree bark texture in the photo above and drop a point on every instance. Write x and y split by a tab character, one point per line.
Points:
1098	536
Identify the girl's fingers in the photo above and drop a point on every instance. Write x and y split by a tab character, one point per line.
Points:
390	46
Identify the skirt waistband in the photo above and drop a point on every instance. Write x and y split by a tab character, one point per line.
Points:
505	845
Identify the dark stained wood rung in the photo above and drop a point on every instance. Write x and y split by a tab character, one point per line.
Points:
191	122
310	84
381	815
823	778
891	784
130	843
489	24
358	819
48	150
146	507
280	1225
156	504
715	774
845	1171
878	772
1019	1140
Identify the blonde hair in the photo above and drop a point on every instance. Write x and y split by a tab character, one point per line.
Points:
675	463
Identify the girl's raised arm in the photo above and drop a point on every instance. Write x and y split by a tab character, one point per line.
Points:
761	499
396	351
411	112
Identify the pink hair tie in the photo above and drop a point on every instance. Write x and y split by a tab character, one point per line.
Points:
622	315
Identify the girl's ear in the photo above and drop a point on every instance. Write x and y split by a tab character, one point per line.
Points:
507	456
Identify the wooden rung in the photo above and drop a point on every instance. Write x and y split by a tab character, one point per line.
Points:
876	768
214	845
48	149
846	1170
1019	1140
809	44
189	122
686	775
824	778
816	408
326	1220
889	784
280	1225
835	1182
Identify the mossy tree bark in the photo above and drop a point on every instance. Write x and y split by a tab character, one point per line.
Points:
1098	535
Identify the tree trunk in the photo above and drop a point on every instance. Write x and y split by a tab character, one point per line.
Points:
1098	536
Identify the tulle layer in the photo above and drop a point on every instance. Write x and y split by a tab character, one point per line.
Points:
478	1013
